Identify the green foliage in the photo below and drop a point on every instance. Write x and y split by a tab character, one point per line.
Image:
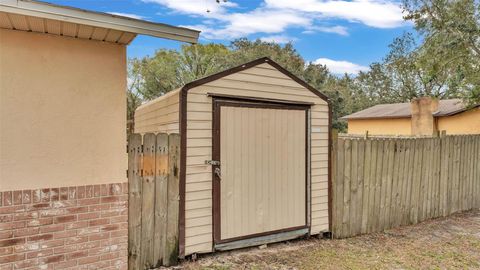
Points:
451	47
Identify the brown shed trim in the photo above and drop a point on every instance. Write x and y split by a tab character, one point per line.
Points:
183	131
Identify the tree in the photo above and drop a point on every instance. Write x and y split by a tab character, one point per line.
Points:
244	50
451	34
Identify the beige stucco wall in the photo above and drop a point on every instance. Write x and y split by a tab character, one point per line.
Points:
62	111
399	126
464	123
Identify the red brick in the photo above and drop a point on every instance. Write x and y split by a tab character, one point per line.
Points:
119	219
54	194
111	199
66	264
7	198
72	193
76	255
6	234
52	243
77	225
109	228
125	187
12	209
12	242
6	218
88	260
25	263
81	192
87	216
45	195
52	228
25	216
26	196
110	256
40	222
52	212
96	191
78	209
65	249
26	247
12	258
40	237
17	197
39	253
119	233
52	259
77	239
64	193
6	251
99	236
26	231
89	230
89	201
89	191
98	207
97	222
64	234
65	219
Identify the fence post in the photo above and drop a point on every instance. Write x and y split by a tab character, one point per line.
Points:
161	177
134	200
170	256
148	200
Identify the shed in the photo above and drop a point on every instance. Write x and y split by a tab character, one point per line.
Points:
254	164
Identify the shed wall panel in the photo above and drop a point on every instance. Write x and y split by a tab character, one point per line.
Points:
159	115
263	81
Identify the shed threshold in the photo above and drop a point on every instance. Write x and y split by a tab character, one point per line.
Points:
261	240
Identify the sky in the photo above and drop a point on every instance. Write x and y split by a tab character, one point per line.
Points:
345	35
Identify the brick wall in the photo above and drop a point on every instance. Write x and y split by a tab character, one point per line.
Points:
82	227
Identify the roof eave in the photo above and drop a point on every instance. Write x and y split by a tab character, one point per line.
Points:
98	19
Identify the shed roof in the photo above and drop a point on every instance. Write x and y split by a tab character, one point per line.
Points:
402	110
41	17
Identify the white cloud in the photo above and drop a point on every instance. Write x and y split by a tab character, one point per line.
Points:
130	15
282	39
375	13
340	67
198	7
237	25
273	17
337	29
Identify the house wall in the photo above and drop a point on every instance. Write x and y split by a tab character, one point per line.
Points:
463	123
398	126
260	81
159	115
62	111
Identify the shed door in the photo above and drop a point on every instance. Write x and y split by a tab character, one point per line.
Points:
261	185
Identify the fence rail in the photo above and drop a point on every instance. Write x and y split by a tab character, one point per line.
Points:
384	183
153	164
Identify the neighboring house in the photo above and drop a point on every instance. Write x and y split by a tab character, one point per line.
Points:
63	78
421	117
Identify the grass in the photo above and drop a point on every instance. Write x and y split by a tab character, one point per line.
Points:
446	243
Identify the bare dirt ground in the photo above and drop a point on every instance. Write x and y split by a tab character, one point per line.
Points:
446	243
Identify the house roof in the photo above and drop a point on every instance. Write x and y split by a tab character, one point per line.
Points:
35	16
402	110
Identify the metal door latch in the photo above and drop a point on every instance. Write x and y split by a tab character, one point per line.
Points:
212	162
217	172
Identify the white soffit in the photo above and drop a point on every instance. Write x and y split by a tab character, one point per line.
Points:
27	15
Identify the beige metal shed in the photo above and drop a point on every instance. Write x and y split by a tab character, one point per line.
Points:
255	164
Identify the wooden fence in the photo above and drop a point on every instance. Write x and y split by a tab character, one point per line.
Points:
153	167
384	183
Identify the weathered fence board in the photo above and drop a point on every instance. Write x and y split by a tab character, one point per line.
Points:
153	163
382	183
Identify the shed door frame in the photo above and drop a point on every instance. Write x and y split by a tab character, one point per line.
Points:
217	103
